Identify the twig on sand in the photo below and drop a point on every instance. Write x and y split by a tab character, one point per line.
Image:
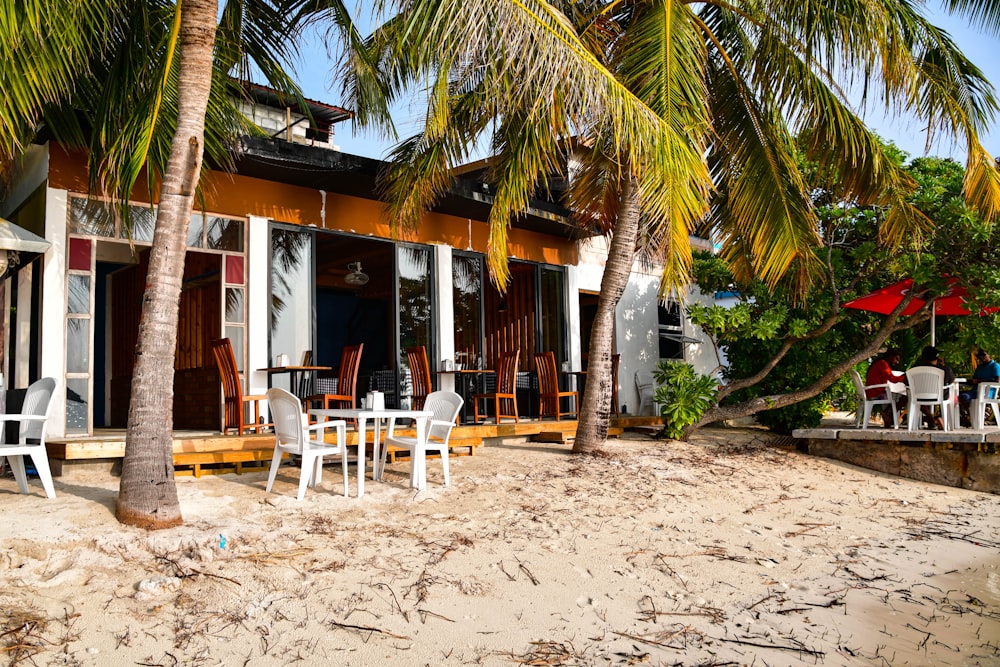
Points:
365	628
806	529
779	647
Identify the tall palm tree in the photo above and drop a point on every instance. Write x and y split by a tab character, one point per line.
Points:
136	82
673	116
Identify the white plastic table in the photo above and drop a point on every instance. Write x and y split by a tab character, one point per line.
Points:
376	416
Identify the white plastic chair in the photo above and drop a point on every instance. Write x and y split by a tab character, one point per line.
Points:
445	406
646	386
294	436
866	404
988	393
31	436
927	388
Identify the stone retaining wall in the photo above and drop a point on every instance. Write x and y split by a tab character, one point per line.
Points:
911	454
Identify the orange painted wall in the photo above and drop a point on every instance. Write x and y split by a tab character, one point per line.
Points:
229	194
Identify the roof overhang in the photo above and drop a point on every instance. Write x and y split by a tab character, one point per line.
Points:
343	173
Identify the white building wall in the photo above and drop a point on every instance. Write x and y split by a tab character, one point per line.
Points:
53	320
258	301
444	305
636	321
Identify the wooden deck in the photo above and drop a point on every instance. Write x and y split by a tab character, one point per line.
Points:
204	452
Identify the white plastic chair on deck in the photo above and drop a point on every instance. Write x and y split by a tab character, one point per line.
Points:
31	436
987	393
445	406
294	436
927	388
866	404
645	385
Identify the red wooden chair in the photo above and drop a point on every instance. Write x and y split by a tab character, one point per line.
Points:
549	396
506	389
236	413
420	373
347	382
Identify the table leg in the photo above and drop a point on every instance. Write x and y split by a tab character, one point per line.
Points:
362	427
377	465
418	457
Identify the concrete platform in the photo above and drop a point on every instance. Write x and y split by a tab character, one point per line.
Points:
963	458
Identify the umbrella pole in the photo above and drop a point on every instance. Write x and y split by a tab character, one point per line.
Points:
933	320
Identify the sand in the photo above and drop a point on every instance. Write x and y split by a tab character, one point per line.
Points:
729	550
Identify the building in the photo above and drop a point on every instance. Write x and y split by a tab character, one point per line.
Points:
292	254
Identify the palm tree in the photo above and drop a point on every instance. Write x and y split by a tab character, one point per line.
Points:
136	82
671	117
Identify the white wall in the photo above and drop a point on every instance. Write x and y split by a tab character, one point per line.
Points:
53	320
636	321
258	301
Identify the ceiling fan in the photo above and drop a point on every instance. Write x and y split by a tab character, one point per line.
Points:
356	275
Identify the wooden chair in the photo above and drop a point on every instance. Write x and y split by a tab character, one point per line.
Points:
347	381
420	374
236	413
549	396
506	389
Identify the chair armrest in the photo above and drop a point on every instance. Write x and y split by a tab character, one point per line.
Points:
332	423
988	391
255	397
23	418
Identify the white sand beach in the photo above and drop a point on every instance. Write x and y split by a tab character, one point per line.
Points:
733	549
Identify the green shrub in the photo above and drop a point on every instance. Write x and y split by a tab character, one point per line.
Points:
683	395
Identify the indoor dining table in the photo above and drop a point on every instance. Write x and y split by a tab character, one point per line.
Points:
363	416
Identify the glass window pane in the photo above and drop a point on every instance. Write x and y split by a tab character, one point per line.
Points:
77	399
90	217
195	230
142	220
414	300
235	336
234	304
467	281
225	234
291	292
553	315
77	345
78	300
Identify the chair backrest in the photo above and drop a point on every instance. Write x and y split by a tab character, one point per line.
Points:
507	372
232	390
37	401
644	382
350	361
445	406
859	384
287	412
926	383
420	373
545	365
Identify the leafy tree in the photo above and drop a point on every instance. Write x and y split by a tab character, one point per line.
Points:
667	114
787	358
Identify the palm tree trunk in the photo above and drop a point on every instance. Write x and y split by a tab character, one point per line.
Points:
595	411
147	494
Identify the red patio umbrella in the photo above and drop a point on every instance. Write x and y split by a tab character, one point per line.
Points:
885	300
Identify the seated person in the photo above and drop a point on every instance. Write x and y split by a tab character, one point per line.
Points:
987	370
883	371
930	357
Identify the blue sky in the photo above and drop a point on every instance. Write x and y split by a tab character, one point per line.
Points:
980	48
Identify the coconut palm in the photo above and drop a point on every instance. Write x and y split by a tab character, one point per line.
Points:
142	84
671	116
